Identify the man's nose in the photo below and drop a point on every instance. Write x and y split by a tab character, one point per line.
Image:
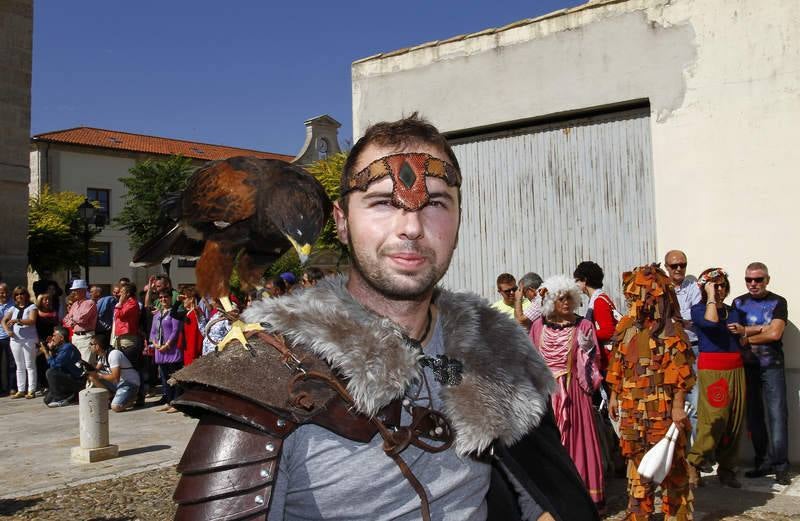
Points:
409	224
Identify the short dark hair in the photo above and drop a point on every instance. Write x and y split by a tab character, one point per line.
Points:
591	273
61	330
506	278
165	293
278	282
314	273
530	280
124	280
410	130
101	340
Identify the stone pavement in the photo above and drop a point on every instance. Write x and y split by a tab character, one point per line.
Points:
36	449
35	452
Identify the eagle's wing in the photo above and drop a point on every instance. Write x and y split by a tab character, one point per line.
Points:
221	193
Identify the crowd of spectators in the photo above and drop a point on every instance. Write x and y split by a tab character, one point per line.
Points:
127	342
733	379
732	371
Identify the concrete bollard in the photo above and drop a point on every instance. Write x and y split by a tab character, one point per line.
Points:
93	417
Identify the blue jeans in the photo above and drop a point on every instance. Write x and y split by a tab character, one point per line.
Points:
694	394
767	416
122	393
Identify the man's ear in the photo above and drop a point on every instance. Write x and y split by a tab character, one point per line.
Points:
341	223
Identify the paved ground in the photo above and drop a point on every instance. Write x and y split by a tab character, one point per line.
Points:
38	482
35	452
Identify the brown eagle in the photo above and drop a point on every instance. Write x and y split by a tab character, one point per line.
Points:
244	210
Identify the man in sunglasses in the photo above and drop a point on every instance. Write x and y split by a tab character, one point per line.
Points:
765	315
507	287
688	293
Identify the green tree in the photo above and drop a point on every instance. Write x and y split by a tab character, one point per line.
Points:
328	172
150	180
54	240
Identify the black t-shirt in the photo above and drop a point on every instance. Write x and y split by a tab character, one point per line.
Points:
760	312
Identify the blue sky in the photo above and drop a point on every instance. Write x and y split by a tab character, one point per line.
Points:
238	73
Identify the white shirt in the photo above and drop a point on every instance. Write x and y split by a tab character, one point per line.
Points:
688	295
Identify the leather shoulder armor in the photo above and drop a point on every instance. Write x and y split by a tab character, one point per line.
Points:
247	402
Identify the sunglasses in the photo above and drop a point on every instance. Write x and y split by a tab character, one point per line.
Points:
758	280
508	291
677	266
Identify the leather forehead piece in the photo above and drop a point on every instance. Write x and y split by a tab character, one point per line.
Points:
408	172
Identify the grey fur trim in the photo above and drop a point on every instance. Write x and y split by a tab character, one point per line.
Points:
505	387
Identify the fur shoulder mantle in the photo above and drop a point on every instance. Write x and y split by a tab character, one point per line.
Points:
505	387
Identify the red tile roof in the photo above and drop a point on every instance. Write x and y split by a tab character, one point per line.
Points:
115	140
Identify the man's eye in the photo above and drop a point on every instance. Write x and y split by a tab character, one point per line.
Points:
381	202
437	204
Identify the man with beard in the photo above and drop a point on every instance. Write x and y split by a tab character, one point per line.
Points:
379	395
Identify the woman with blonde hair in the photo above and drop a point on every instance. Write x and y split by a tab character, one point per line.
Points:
568	344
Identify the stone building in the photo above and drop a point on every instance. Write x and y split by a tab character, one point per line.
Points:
91	161
615	131
16	31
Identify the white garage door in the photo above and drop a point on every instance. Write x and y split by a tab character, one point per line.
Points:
545	198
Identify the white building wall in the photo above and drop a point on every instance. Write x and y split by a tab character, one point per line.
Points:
723	84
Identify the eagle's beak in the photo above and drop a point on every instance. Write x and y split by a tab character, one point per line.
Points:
302	251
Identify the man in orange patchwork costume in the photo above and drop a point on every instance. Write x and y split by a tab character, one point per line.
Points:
650	373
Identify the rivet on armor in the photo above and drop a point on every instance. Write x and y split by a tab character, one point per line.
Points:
264	473
406	402
281	423
438	431
259	500
269	447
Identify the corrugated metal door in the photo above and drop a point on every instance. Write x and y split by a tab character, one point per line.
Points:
545	198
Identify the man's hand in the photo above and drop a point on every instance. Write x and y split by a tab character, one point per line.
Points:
709	288
613	407
737	329
679	417
518	295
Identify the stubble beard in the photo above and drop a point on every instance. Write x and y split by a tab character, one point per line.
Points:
396	285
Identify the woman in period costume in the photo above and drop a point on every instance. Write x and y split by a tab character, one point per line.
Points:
650	373
720	375
568	345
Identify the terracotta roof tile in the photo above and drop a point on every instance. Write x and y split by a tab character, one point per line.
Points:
115	140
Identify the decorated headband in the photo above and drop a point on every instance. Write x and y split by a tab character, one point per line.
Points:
408	172
712	275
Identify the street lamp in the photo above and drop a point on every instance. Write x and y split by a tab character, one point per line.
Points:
92	221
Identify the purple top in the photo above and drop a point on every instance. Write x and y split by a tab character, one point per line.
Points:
165	330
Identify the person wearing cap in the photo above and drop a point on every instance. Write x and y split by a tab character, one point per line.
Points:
82	318
290	280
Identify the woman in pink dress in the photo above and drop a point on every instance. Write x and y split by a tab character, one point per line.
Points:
568	345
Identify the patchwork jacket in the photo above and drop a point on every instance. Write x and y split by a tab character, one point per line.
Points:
248	401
